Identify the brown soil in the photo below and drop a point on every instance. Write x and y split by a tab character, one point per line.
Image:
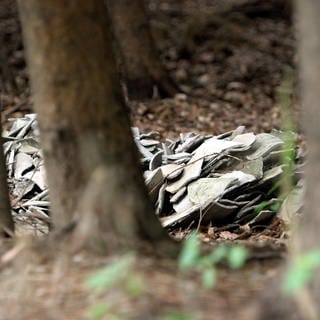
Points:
229	61
37	287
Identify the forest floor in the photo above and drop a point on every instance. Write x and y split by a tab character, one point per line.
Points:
229	60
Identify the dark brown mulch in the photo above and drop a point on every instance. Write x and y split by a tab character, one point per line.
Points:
14	83
229	64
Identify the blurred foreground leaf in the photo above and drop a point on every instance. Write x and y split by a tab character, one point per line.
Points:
98	310
218	254
190	252
177	316
237	257
301	272
135	286
111	274
209	278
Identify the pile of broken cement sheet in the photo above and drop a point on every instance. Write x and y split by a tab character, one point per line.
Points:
26	173
217	180
220	180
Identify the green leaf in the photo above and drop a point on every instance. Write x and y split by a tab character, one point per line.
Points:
276	207
204	262
135	287
209	278
301	272
237	257
218	254
296	279
261	206
98	310
112	274
177	316
275	186
190	253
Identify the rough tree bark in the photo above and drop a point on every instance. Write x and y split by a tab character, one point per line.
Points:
308	24
6	222
141	66
306	238
84	126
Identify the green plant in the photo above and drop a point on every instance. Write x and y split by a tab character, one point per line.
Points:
134	286
177	316
98	310
111	274
118	272
301	271
190	253
288	155
191	258
237	256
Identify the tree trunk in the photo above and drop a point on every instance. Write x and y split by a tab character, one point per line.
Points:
141	66
6	222
9	41
308	24
306	237
83	122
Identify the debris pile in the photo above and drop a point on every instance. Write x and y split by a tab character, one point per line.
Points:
232	178
26	173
